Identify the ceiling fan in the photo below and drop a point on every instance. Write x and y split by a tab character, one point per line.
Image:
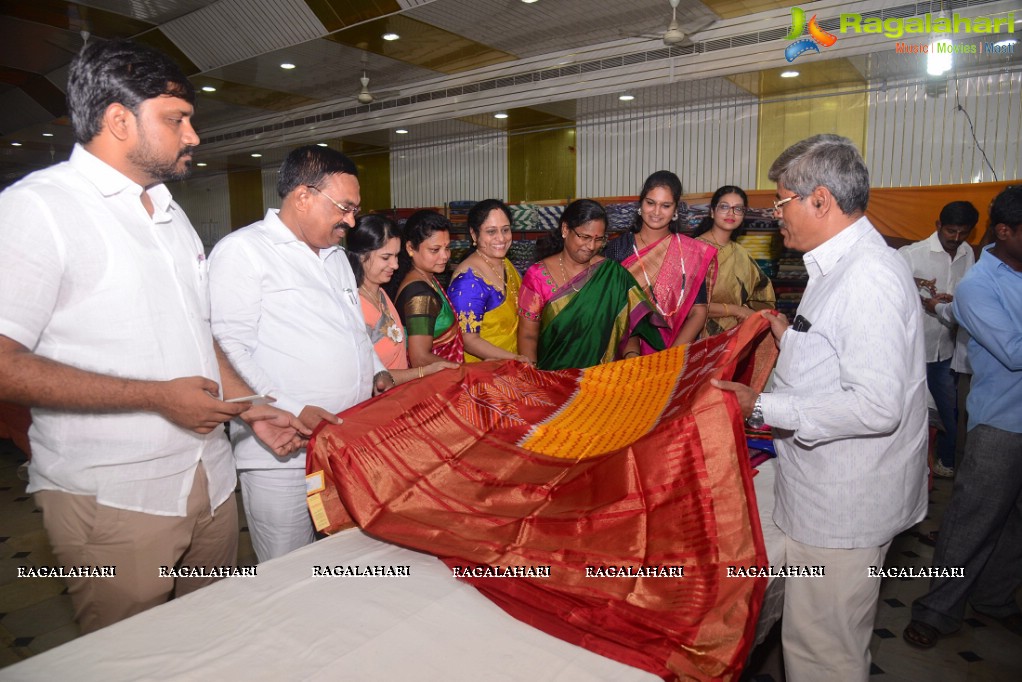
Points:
674	36
364	96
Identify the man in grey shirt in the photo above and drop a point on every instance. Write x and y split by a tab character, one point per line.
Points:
848	408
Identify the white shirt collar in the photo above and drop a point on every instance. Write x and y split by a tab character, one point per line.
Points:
110	181
827	255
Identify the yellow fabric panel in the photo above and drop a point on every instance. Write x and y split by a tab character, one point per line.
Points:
374	181
592	423
782	124
246	192
541	165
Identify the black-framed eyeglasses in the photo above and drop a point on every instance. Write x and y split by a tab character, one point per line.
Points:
598	242
782	202
725	208
353	211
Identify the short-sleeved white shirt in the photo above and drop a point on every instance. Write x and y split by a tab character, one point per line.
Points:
89	279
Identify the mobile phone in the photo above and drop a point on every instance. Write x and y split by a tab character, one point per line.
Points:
258	399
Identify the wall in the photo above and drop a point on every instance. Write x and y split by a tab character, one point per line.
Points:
206	202
706	147
914	139
465	168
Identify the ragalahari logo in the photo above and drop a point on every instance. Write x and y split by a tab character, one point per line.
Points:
817	36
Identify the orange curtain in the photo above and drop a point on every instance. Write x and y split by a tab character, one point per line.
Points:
904	213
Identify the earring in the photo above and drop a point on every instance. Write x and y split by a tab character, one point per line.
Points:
638	211
675	216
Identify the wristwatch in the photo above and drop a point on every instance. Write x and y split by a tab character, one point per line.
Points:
755	420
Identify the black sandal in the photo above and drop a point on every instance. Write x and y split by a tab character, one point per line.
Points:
920	635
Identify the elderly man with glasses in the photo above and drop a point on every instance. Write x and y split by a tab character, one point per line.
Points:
848	409
285	309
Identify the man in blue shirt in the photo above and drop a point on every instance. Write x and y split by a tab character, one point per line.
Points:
982	527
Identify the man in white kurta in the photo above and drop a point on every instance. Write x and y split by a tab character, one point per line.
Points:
104	333
848	407
938	264
285	309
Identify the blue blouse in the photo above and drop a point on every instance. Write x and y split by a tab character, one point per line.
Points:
472	297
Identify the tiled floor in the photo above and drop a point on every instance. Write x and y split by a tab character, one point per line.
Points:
35	614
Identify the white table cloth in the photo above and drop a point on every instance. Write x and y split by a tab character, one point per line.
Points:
287	624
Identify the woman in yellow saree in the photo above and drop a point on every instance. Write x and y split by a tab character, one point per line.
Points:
484	287
740	288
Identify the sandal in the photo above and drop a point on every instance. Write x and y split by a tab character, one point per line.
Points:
920	635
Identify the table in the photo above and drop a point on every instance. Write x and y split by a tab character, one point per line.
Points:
287	624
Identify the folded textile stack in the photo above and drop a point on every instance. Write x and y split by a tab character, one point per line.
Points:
765	248
790	282
459	249
523	217
457	212
621	216
522	254
549	217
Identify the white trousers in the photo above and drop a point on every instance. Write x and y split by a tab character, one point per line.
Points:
278	517
828	620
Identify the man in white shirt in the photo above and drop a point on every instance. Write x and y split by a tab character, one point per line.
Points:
286	311
848	407
104	332
938	264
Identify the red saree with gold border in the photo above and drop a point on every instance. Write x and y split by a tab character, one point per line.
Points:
635	463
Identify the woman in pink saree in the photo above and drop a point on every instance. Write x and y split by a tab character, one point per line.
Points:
670	267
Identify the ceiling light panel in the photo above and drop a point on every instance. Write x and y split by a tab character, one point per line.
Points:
258	26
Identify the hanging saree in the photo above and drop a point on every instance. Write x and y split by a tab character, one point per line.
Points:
589	319
594	473
485	310
671	272
738	281
426	311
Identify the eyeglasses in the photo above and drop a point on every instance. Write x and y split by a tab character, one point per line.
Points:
725	208
782	202
598	242
345	210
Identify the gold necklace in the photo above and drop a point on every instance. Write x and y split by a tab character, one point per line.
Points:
501	277
380	304
564	274
430	280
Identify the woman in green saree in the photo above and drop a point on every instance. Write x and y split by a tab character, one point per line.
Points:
577	309
421	302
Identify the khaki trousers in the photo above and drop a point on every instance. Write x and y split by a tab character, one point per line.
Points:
83	532
828	620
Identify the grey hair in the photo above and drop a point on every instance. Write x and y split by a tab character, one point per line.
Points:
829	161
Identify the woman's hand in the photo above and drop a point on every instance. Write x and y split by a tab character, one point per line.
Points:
434	367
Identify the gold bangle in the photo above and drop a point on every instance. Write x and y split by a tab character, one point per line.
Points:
420	372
